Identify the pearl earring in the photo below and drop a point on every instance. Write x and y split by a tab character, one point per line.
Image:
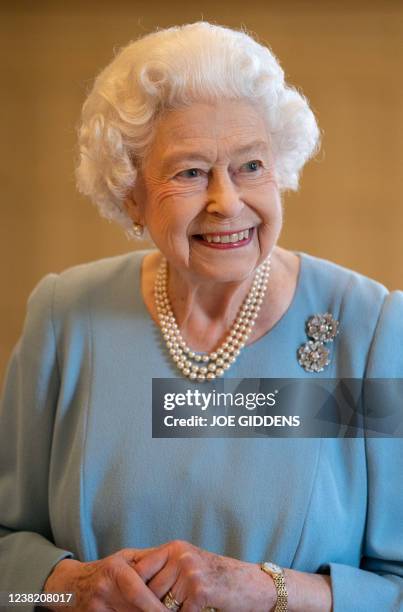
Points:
138	229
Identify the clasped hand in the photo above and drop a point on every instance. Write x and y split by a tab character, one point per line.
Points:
137	580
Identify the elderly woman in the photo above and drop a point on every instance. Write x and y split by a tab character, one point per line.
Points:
190	136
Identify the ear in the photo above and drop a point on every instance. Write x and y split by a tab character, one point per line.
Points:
133	209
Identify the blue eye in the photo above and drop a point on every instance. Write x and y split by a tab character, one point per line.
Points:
189	173
253	165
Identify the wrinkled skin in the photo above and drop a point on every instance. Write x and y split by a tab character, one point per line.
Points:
135	580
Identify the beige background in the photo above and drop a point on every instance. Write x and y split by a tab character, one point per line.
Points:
345	56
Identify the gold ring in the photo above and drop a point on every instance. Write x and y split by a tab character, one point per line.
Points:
170	602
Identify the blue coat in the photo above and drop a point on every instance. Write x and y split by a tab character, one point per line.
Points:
81	475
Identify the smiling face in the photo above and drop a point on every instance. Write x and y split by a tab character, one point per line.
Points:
207	190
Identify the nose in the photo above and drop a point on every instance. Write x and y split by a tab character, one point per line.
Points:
223	197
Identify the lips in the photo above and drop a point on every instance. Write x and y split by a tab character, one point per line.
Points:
224	240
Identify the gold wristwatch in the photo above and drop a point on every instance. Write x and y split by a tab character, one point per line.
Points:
277	573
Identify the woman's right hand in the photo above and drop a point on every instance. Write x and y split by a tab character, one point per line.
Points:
100	586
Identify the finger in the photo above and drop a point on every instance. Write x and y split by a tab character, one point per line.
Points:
149	565
144	552
187	588
194	605
163	580
134	593
192	591
188	606
133	554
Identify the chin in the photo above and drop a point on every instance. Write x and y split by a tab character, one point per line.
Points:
222	273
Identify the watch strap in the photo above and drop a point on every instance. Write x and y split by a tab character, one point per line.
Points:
281	587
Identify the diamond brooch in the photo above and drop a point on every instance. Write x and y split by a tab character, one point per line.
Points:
313	356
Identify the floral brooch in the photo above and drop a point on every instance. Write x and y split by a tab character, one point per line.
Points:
313	356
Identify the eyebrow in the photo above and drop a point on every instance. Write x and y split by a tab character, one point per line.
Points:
182	155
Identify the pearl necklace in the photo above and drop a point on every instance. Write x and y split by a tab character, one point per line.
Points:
203	366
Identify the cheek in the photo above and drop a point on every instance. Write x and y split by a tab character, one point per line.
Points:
169	216
270	210
265	199
277	208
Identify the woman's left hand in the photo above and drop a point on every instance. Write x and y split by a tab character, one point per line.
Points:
200	579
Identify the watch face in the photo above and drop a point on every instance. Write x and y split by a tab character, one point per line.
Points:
272	567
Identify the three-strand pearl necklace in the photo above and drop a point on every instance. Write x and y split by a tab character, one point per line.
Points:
207	366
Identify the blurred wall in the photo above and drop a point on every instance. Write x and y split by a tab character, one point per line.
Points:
345	56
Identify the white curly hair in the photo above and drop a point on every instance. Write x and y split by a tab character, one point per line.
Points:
172	68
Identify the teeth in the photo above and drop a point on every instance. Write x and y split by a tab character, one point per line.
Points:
226	238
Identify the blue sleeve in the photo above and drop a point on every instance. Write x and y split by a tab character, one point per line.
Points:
27	407
378	584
